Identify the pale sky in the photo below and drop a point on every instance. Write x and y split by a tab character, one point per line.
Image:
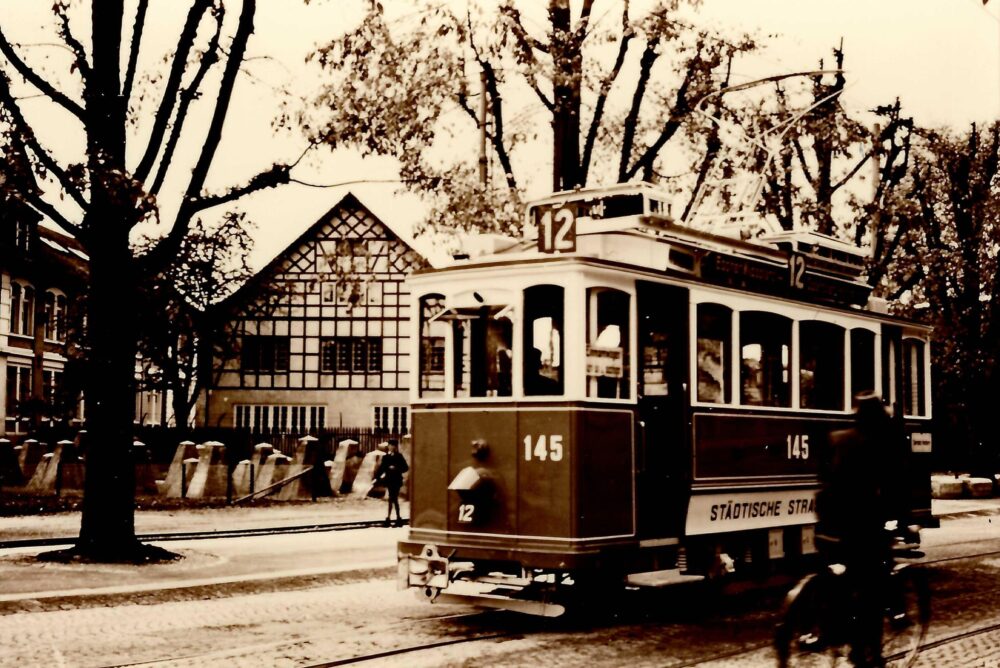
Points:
941	57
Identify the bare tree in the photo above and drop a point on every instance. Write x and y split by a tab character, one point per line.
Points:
109	197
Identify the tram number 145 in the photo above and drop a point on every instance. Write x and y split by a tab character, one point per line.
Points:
547	447
798	446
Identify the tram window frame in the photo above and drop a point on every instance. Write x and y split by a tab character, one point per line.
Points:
708	317
758	328
544	376
607	377
864	344
821	353
914	354
432	351
482	366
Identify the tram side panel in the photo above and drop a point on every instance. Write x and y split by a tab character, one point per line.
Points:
523	482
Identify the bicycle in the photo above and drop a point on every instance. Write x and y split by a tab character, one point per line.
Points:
818	615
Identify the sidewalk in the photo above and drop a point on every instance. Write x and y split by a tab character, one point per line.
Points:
213	563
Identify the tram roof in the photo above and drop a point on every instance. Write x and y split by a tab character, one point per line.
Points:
657	247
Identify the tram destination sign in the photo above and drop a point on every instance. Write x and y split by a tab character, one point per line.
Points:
795	278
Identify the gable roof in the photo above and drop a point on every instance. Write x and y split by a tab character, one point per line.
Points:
274	266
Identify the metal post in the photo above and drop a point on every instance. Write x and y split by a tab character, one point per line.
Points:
184	480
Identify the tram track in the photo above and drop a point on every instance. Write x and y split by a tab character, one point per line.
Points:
203	535
230	654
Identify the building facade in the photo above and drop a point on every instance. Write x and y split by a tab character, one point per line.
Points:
321	333
42	276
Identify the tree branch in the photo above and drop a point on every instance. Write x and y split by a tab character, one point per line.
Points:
72	42
184	44
187	96
602	96
26	134
276	176
527	45
38	82
167	247
649	56
497	136
680	110
525	41
138	27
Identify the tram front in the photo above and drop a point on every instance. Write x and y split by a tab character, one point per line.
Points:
523	421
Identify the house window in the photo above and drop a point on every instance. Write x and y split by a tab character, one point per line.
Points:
264	354
22	235
391	419
348	354
280	419
18	391
22	309
55	316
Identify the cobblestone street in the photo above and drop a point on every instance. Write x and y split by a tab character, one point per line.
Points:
320	617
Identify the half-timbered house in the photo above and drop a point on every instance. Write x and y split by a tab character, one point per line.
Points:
319	336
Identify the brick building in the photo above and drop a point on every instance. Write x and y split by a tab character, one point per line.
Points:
42	276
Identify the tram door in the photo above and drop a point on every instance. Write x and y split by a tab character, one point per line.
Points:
662	463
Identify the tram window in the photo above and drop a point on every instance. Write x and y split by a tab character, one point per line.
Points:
607	343
821	365
862	361
432	338
914	387
765	345
715	331
481	349
543	347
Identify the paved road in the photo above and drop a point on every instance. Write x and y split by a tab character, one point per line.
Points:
315	617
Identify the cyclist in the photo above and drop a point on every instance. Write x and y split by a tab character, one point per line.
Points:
853	506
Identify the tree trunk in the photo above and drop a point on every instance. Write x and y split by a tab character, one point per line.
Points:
107	528
567	70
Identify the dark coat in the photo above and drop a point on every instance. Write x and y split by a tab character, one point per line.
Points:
391	469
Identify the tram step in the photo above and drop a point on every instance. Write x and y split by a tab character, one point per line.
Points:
664	578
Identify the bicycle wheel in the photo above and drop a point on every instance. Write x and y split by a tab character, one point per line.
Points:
802	637
908	614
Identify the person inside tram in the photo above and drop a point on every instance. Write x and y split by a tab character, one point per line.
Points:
536	383
853	507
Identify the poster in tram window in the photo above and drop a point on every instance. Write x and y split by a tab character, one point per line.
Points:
604	362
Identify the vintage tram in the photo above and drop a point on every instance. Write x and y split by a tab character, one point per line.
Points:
623	397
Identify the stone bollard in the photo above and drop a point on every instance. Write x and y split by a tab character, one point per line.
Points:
339	468
142	461
308	485
247	471
29	457
211	476
49	476
274	469
176	482
366	475
10	468
71	467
